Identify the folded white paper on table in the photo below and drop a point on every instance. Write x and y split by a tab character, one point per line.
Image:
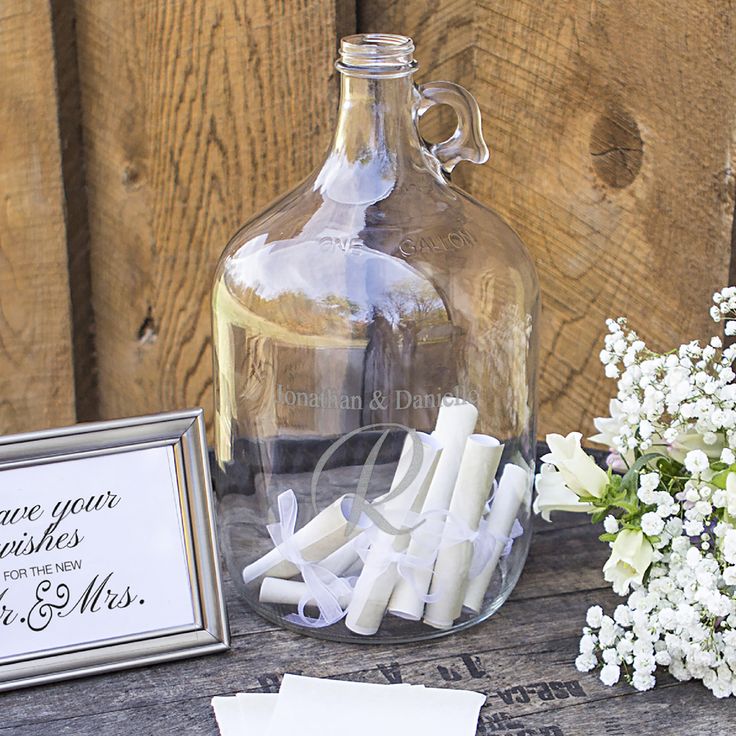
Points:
246	714
315	707
307	706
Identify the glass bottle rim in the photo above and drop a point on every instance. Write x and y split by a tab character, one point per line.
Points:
376	54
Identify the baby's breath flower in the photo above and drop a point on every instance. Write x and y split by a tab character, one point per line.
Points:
651	524
643	681
696	461
586	662
680	406
610	674
594	617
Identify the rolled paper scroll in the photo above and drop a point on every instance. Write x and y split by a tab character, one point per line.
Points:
342	559
455	423
378	577
291	592
318	538
474	480
510	494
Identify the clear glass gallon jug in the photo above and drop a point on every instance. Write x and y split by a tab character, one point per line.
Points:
375	364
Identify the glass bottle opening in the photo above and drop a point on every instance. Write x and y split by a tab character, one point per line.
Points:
366	54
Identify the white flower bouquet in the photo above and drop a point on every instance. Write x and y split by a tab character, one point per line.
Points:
669	517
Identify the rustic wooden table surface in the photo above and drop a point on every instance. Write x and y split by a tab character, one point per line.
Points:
521	659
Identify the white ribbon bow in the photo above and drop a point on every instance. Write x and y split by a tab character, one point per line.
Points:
435	529
406	564
454	531
323	587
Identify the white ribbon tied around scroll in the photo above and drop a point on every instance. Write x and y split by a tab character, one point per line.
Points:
324	587
483	540
406	564
484	543
427	526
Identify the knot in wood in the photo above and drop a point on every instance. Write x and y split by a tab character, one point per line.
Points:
616	148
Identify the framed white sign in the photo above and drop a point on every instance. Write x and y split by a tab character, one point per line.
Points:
108	554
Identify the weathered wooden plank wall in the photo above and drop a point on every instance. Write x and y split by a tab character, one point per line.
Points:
36	356
195	115
611	127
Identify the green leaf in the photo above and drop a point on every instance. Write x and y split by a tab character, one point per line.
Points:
633	524
630	507
607	537
598	516
719	480
630	480
593	500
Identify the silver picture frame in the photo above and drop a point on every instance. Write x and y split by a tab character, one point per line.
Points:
184	431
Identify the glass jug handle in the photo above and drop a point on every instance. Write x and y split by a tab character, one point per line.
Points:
466	143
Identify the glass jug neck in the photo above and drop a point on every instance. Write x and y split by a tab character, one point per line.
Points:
376	118
376	139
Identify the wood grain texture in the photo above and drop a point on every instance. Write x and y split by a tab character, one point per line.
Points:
611	128
195	116
75	206
521	659
36	372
